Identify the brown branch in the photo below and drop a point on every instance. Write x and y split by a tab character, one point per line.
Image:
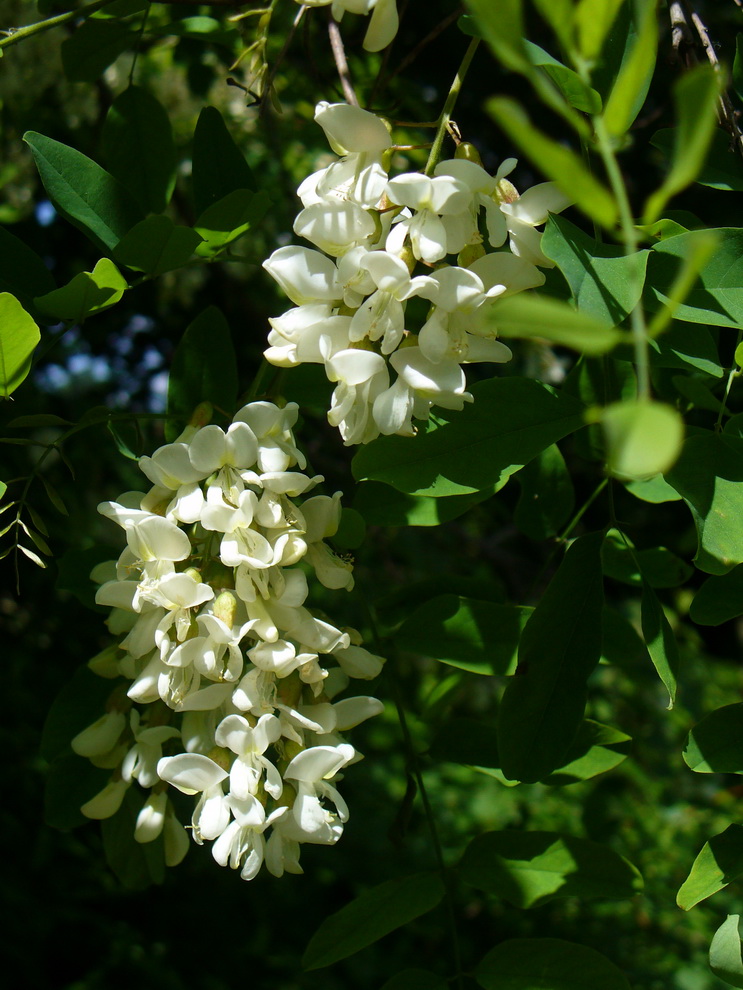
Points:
341	64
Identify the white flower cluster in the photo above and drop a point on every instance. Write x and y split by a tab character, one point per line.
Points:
223	657
382	26
371	232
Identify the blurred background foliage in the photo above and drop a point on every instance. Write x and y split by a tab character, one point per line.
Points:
70	924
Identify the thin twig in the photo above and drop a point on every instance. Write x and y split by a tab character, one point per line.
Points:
341	64
445	118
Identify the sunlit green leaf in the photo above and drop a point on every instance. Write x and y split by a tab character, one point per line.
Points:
382	505
542	318
660	641
230	218
570	84
19	336
633	81
715	745
87	293
725	958
718	864
596	749
593	20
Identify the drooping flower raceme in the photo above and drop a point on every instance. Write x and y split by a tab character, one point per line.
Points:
352	290
230	679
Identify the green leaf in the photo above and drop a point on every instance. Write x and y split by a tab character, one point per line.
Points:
204	369
86	294
137	865
94	46
54	497
687	346
547	964
351	531
717	296
200	28
371	916
725	958
606	284
719	599
658	566
229	218
219	167
556	161
80	703
660	641
569	83
382	505
473	635
543	318
722	168
71	782
718	864
415	979
156	245
643	438
138	147
708	477
503	29
715	745
468	741
543	704
547	496
510	422
84	193
528	869
633	80
593	20
695	97
655	490
74	567
19	336
22	272
596	749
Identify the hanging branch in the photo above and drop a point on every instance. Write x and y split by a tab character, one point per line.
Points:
341	64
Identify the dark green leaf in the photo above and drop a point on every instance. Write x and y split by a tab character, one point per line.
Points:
22	272
371	916
219	167
658	566
511	421
382	505
229	218
88	196
37	420
473	635
351	530
719	599
725	959
137	865
660	641
722	168
718	864
633	79
686	346
156	245
542	707
530	868
596	749
547	497
94	46
74	567
71	782
19	336
715	745
708	477
204	369
200	28
87	293
606	283
54	497
138	147
80	703
548	964
469	741
415	979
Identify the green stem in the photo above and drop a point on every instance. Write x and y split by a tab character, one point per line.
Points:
443	121
732	375
14	35
631	242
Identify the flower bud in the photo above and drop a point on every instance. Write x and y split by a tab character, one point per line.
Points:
468	152
225	608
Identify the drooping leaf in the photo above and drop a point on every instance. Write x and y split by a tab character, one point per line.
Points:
374	914
659	639
19	336
606	284
548	964
719	599
83	192
204	369
633	80
725	959
547	497
87	293
219	167
715	745
530	868
230	218
138	147
542	318
477	636
643	438
596	749
543	704
716	298
719	863
695	96
511	421
22	271
97	43
156	245
557	162
708	477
